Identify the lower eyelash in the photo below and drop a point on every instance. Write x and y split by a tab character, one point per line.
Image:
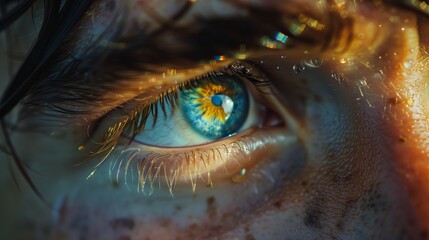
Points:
151	168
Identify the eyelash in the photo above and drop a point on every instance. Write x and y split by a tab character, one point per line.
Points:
134	122
186	164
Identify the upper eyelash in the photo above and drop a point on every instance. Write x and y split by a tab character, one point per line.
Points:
135	121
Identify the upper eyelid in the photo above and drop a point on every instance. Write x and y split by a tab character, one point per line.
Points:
89	61
115	47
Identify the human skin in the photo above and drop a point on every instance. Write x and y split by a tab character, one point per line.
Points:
349	162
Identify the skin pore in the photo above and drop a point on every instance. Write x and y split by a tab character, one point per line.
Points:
344	155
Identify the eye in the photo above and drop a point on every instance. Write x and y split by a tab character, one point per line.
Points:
210	108
212	127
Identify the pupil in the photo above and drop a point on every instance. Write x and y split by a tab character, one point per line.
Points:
217	100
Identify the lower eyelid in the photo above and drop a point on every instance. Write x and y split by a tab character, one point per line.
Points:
192	166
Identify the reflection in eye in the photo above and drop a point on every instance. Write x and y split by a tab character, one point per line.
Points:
210	126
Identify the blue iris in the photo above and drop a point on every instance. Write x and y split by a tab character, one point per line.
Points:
215	107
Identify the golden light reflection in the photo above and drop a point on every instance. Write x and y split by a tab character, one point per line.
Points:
422	5
269	43
296	28
311	22
414	66
240	56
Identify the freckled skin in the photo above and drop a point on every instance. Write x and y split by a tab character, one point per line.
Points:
356	171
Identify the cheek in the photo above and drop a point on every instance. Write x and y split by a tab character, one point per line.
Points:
118	210
349	186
